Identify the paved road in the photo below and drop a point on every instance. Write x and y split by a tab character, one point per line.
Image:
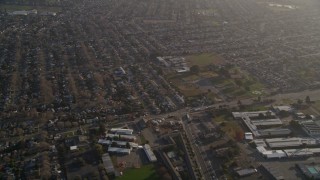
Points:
313	94
205	169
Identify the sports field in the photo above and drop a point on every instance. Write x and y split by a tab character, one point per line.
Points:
146	172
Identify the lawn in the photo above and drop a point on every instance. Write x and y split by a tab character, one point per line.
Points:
187	89
208	74
221	118
212	96
146	172
68	134
204	59
143	139
189	78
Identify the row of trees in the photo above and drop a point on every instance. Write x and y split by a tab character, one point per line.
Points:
31	2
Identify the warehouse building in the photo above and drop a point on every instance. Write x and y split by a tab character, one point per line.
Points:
271	154
299	152
122	137
119	150
274	143
311	127
107	163
275	132
262	123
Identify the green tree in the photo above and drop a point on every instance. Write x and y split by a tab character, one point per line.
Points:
259	98
294	124
113	144
238	82
268	114
128	145
261	116
77	177
99	149
102	128
283	114
308	101
81	161
195	69
308	116
224	72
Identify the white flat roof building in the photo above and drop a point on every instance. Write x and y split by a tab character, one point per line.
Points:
267	122
119	150
260	142
73	148
107	163
283	108
275	132
253	123
108	142
298	152
134	145
251	114
130	137
275	154
311	127
248	136
149	153
121	131
271	153
289	142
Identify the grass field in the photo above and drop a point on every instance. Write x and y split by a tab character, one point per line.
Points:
208	74
146	172
212	96
221	118
285	101
190	90
143	139
187	88
237	84
204	59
